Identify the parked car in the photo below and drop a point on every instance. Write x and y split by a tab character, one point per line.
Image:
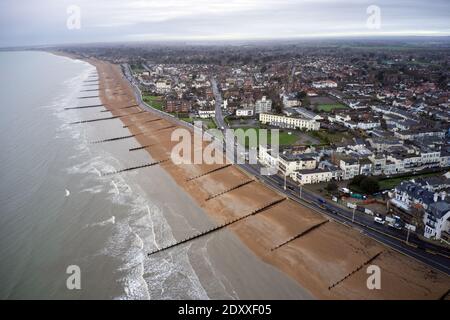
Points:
378	220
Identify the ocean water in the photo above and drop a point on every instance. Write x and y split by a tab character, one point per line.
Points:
57	210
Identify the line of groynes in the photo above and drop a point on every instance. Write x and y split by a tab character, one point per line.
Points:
301	234
219	227
240	185
208	172
85	107
115	139
134	168
356	270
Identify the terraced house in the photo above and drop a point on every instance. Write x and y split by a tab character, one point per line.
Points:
288	122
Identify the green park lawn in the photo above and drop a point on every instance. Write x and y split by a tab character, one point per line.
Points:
284	138
153	101
330	107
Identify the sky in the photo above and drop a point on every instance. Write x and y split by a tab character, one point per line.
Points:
47	22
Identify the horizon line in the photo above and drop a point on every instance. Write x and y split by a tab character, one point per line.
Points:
240	40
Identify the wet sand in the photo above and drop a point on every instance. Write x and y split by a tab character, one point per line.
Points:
325	261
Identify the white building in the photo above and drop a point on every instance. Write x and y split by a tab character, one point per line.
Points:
204	114
288	163
309	176
369	125
163	86
350	168
263	105
437	220
288	122
244	112
324	84
290	101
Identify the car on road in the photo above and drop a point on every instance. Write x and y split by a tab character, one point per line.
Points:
378	220
398	226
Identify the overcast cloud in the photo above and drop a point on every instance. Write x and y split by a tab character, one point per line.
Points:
28	22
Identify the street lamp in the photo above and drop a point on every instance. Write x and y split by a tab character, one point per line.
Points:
353	217
407	236
301	189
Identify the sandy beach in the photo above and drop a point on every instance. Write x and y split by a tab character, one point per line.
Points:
326	261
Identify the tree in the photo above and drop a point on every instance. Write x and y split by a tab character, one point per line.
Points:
366	184
369	185
331	186
356	181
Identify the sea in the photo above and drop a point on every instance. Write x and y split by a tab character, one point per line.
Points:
68	231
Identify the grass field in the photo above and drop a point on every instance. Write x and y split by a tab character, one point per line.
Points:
285	138
330	107
154	101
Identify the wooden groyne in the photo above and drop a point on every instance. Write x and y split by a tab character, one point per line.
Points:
301	234
134	168
94	120
127	107
89	90
132	106
240	185
165	128
88	97
134	124
219	227
141	148
208	172
445	295
85	107
115	139
132	114
356	270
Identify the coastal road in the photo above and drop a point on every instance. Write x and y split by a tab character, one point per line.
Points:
427	253
219	101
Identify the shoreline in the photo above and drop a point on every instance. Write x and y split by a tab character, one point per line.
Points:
318	260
